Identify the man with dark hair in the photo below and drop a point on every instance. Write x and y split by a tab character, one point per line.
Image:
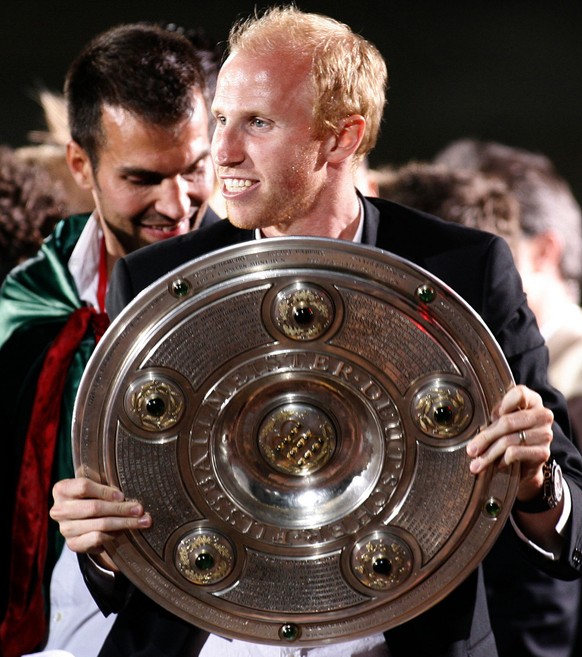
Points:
298	104
210	55
140	144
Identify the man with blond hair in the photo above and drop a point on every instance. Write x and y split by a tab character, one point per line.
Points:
298	103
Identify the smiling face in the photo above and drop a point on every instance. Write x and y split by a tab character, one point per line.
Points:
151	182
270	167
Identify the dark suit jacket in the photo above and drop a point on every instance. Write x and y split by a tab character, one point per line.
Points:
479	267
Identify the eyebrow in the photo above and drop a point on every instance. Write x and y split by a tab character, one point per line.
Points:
140	172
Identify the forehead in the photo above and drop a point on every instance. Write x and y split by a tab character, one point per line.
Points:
127	135
277	83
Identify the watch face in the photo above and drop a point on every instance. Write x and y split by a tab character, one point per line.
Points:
550	495
558	483
553	485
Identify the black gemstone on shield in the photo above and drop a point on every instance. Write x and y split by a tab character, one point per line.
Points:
443	414
382	566
204	561
156	406
303	315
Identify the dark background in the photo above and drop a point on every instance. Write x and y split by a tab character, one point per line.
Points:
506	70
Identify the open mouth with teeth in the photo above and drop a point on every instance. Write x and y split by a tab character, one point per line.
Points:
236	185
160	231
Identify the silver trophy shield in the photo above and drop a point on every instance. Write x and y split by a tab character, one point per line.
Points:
294	413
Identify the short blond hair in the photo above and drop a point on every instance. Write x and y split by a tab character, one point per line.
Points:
349	74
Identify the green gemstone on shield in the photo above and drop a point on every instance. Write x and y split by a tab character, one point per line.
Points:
443	414
382	566
426	293
303	315
492	508
289	632
180	288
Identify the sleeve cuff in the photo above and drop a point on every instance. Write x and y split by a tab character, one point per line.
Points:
560	526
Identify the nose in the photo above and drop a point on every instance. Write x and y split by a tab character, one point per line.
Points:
173	200
227	149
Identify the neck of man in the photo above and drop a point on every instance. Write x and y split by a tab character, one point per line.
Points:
550	301
338	219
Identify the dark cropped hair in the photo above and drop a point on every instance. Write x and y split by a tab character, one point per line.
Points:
141	68
211	54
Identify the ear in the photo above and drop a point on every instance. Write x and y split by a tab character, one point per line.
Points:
346	142
546	251
80	165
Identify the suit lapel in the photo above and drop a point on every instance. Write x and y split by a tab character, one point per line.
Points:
371	222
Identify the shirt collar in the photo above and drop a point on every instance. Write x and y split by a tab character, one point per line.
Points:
84	261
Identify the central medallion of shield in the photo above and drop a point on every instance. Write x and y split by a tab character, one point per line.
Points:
297	439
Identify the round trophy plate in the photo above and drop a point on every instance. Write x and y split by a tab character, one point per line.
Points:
294	415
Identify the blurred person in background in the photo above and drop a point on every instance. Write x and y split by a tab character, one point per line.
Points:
549	259
457	195
30	206
548	254
532	614
48	149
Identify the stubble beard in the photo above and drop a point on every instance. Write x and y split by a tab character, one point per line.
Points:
280	210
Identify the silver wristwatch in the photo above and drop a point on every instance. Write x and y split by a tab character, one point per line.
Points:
551	494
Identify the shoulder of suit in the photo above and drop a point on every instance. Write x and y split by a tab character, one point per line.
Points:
182	248
424	225
210	217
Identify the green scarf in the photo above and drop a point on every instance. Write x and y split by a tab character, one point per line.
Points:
36	300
